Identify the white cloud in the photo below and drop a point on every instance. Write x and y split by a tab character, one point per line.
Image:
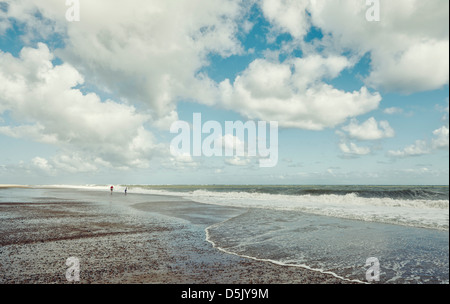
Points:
46	107
238	149
393	110
443	109
73	163
369	130
35	132
287	16
366	131
150	52
4	23
181	161
408	46
293	93
238	161
441	138
167	58
153	52
420	147
231	143
421	67
353	149
42	164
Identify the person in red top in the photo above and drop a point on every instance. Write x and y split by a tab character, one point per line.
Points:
112	188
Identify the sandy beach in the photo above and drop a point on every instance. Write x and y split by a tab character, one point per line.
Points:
126	240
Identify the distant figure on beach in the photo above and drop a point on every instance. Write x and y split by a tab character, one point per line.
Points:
126	189
112	188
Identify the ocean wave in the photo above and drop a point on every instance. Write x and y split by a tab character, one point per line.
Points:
394	192
424	213
385	204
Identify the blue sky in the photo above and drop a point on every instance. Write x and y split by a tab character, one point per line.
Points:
92	101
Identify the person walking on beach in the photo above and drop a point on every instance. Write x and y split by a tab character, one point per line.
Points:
112	188
126	189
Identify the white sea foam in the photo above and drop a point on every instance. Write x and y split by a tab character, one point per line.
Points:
409	212
418	213
277	262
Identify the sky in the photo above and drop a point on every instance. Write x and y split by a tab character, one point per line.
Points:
359	90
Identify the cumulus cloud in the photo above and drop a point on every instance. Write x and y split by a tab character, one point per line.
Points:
42	164
35	132
46	106
153	53
238	161
150	51
231	143
180	161
167	58
408	47
287	16
353	149
440	140
369	130
422	67
145	56
420	147
73	163
294	94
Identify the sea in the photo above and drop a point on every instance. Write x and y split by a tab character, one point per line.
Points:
364	233
376	234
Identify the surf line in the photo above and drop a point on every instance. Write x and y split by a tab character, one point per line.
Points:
208	239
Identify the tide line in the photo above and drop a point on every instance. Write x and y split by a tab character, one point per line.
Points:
208	239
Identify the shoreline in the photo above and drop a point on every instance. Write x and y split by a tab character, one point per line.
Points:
127	240
5	186
304	267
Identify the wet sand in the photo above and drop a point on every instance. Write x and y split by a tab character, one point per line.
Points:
126	240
